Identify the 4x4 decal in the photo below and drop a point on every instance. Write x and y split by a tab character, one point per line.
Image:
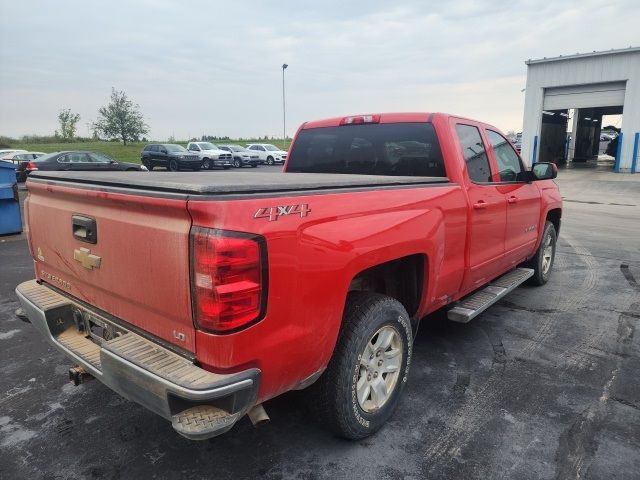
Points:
273	213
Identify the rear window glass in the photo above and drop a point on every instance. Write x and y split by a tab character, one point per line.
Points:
395	149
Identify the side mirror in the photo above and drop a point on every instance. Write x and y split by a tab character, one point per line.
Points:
544	171
163	150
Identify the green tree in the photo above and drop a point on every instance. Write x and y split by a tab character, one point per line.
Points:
68	124
121	119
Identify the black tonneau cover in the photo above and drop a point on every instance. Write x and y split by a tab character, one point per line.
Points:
229	182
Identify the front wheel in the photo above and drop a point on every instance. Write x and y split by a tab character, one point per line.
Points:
206	164
236	163
543	259
173	165
361	386
269	160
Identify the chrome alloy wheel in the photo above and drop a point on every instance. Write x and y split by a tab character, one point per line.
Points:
547	254
379	369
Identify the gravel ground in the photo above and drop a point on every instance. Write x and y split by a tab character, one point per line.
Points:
542	385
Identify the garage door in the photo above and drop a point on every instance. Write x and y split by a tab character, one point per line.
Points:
583	96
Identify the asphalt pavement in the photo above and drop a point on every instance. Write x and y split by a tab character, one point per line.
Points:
544	384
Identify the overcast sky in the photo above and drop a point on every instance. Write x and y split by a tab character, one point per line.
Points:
205	67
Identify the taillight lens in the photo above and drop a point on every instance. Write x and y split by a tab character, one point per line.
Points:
31	166
228	278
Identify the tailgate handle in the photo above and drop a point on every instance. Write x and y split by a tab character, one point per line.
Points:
84	228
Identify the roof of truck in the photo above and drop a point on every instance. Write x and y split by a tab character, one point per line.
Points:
227	183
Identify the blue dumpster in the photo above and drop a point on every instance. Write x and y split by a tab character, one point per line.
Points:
10	220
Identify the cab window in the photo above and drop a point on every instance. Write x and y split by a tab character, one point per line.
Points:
509	165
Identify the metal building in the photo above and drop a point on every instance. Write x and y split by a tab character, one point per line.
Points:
587	86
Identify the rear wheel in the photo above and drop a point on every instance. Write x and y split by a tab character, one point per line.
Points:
269	160
236	163
542	261
361	386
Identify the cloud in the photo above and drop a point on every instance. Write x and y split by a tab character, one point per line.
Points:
214	67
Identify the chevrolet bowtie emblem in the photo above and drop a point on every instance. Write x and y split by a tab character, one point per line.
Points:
87	259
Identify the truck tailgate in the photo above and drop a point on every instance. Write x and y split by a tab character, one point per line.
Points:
138	268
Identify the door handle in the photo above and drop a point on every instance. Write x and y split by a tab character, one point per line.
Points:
481	204
512	199
84	228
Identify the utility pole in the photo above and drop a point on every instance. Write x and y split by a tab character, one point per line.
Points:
284	111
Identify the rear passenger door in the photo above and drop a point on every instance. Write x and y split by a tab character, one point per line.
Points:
522	198
487	210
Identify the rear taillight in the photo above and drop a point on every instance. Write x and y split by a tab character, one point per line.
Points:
228	279
30	166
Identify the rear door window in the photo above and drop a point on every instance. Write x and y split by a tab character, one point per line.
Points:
474	152
395	149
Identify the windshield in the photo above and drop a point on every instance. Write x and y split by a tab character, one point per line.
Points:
237	148
175	148
207	146
396	149
271	148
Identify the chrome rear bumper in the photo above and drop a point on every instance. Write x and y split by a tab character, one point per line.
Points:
200	404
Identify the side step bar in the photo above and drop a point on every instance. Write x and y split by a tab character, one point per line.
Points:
476	303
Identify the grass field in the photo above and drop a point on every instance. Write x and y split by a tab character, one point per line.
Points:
117	151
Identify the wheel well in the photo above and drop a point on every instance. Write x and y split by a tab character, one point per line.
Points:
402	279
554	217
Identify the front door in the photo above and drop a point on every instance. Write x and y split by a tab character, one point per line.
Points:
522	198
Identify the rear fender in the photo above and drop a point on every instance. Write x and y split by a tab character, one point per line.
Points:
363	242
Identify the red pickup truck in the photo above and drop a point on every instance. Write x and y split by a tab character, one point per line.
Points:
202	295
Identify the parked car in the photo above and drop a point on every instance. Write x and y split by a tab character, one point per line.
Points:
269	154
7	151
606	137
169	155
202	296
17	157
241	156
74	161
211	155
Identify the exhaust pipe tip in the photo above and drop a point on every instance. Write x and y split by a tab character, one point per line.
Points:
258	415
78	375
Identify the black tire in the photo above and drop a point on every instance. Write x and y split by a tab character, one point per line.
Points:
236	163
334	397
542	269
147	164
206	164
173	165
269	160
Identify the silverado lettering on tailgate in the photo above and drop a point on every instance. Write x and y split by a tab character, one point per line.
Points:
273	213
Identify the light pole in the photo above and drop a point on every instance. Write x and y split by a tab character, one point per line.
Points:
284	111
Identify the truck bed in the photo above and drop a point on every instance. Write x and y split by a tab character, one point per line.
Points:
229	183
